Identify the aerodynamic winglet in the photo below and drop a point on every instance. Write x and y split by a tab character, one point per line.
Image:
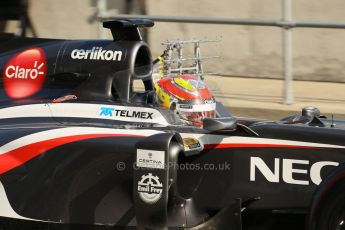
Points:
127	29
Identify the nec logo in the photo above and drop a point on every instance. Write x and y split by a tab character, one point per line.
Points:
288	170
24	74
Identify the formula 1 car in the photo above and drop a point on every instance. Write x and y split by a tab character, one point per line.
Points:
80	147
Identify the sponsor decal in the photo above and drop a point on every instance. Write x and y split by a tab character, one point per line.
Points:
150	188
191	143
110	112
150	159
288	170
182	106
209	101
192	146
24	74
97	53
106	112
196	108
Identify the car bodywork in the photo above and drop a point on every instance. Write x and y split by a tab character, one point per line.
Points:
111	156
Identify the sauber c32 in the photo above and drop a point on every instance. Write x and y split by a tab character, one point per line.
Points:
79	145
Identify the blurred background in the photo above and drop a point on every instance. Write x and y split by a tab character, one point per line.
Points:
250	70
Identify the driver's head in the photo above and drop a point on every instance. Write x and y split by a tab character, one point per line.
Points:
188	95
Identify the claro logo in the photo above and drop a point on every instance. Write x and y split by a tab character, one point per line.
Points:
24	74
96	53
290	171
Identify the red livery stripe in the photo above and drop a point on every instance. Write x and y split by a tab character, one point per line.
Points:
19	156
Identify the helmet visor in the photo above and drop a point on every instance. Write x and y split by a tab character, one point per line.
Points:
196	113
197	116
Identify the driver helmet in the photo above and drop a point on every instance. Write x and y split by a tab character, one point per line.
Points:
188	96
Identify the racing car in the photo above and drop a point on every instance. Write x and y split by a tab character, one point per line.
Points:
81	147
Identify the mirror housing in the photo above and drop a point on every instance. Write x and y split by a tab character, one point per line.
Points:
221	123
